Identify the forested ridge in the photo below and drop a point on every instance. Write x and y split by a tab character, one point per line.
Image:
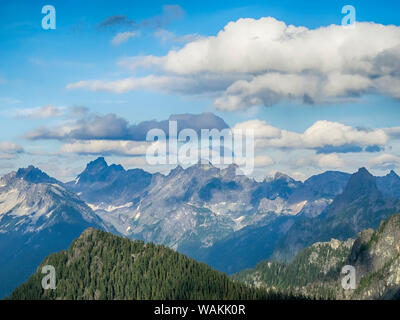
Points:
314	272
99	265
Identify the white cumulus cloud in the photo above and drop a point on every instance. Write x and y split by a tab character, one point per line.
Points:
263	161
323	161
262	61
9	150
321	134
261	128
385	161
120	147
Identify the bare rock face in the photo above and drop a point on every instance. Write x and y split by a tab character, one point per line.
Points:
362	205
376	257
201	206
214	215
38	215
389	184
316	270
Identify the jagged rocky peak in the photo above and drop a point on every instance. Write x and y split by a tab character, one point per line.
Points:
282	176
96	165
175	171
282	180
362	182
363	171
231	171
389	184
103	183
361	185
204	164
321	179
393	174
34	175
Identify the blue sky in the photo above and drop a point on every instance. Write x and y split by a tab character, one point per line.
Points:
36	67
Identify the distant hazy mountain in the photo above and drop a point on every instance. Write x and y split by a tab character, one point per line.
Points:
37	216
189	210
190	207
316	270
251	244
319	191
207	212
105	185
194	208
217	216
361	205
244	248
99	265
389	185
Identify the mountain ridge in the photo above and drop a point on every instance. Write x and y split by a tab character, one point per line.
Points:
37	216
102	266
211	209
361	205
202	211
316	270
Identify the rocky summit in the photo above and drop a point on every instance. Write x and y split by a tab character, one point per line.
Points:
316	271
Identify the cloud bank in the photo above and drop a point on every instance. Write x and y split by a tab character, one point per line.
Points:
273	61
112	127
9	150
385	161
45	112
323	136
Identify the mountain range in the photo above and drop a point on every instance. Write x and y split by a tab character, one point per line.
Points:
214	215
223	218
315	272
361	205
37	216
99	265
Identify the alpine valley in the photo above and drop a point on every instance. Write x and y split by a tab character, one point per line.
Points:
307	230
